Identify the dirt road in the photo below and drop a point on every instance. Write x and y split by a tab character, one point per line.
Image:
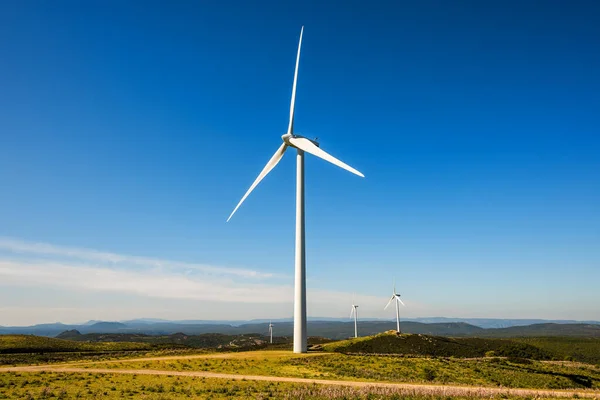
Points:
445	390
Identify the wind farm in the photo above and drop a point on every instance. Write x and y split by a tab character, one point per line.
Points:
144	253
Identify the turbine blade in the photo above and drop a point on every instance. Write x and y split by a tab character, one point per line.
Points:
270	165
293	102
352	312
389	302
310	147
401	302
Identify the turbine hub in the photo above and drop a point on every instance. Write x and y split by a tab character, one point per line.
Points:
287	136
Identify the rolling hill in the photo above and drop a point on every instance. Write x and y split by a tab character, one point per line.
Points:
579	349
437	346
11	344
205	340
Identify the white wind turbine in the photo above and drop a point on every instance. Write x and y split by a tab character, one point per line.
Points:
302	145
271	331
396	296
354	313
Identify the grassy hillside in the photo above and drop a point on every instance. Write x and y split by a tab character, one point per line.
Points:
537	330
10	344
207	340
438	346
568	348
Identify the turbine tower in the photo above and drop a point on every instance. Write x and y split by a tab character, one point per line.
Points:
354	313
396	296
271	332
302	145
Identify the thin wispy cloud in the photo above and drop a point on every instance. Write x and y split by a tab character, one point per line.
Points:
80	272
147	283
154	283
112	259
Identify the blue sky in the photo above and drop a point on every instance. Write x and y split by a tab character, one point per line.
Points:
130	131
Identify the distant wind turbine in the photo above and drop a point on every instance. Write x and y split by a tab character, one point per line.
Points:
302	145
396	296
354	313
271	332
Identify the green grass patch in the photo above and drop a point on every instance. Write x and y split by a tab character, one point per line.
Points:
491	372
579	349
62	386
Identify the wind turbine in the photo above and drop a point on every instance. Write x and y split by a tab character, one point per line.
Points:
354	313
302	145
396	296
271	332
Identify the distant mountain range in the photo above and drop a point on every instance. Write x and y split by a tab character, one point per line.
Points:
480	322
501	323
334	329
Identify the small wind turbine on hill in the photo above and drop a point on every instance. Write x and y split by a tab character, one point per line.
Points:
396	297
302	145
354	313
271	332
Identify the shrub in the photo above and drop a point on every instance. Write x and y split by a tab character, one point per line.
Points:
428	374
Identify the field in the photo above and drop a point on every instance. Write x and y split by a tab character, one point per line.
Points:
491	372
90	386
429	368
62	386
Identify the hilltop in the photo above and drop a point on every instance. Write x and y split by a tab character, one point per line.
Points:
541	348
437	346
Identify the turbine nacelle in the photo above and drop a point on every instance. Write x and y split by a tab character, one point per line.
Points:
396	297
288	138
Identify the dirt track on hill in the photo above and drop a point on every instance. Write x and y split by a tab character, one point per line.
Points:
445	390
